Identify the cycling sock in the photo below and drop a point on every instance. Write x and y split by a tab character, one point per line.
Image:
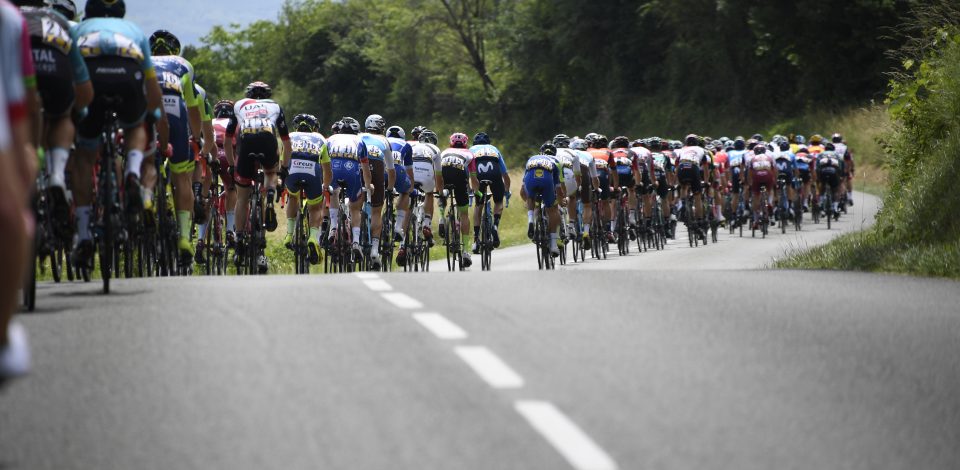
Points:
334	217
356	234
476	231
554	237
134	159
183	219
428	220
291	224
496	220
83	222
375	246
633	216
230	221
401	218
850	195
58	160
315	233
201	231
586	229
529	217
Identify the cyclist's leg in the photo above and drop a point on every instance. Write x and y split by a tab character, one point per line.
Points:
182	164
378	174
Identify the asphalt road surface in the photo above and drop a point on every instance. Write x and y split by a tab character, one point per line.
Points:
673	360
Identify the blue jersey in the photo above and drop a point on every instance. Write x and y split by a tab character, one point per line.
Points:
378	149
541	165
113	37
402	152
785	161
175	75
488	161
347	147
735	158
309	146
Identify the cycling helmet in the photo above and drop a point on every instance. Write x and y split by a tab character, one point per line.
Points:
784	145
816	139
591	139
396	132
691	139
163	42
65	7
645	143
655	143
760	147
562	141
350	125
800	139
306	123
459	140
620	142
836	138
751	144
223	109
415	132
337	127
481	139
578	144
105	9
829	147
757	137
739	144
724	140
374	124
728	146
258	91
548	149
802	149
428	136
676	144
600	142
717	144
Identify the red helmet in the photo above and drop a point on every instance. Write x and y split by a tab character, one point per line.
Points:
459	140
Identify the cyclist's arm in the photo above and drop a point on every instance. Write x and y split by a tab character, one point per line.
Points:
82	87
364	163
284	133
325	164
228	141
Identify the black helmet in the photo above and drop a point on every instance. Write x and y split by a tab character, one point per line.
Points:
350	125
620	142
65	7
105	9
258	91
654	143
591	138
757	137
223	109
760	147
337	127
561	141
600	142
428	137
163	42
396	132
829	147
415	132
691	139
481	138
784	145
640	143
306	121
739	144
548	149
836	138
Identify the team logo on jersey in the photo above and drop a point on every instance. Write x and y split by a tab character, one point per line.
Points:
349	165
485	167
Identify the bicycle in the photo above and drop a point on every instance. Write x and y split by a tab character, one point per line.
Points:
339	256
301	235
598	239
541	236
251	256
623	211
576	239
485	243
783	203
386	231
416	246
452	239
107	207
797	206
764	217
828	208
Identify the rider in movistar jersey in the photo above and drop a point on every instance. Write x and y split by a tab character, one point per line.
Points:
489	165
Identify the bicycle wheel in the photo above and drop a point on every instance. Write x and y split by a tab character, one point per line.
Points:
828	209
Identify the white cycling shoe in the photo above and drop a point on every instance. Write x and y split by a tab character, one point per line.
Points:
15	357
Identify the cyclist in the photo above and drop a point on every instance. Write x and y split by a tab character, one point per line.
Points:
64	84
721	161
760	175
184	118
488	164
428	174
456	164
736	160
380	155
19	108
816	144
350	165
222	113
572	176
646	184
117	54
403	165
628	174
201	173
829	170
662	172
805	163
841	149
609	179
543	178
589	182
260	121
786	172
690	162
309	151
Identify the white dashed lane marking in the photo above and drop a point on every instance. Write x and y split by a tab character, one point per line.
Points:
377	285
489	367
565	436
367	276
401	300
440	326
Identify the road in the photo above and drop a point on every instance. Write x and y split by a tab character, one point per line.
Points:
631	366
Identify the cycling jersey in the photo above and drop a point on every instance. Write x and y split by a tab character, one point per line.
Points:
587	160
804	161
455	166
762	169
570	166
219	133
692	155
402	160
541	177
378	149
175	75
16	70
426	165
206	109
720	162
114	37
736	158
57	62
829	166
309	153
605	164
816	149
785	162
347	152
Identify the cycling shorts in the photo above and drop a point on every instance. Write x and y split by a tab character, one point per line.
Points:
586	187
662	188
378	174
626	179
347	171
604	177
570	181
829	176
259	149
225	176
805	176
181	160
496	188
539	182
456	177
735	178
425	174
119	78
763	178
54	81
306	175
689	174
403	185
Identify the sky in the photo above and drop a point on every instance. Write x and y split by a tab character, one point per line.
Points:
190	20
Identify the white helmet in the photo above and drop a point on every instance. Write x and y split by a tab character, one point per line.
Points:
374	123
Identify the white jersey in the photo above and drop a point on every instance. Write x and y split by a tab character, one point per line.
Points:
840	150
426	164
588	161
256	116
692	154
